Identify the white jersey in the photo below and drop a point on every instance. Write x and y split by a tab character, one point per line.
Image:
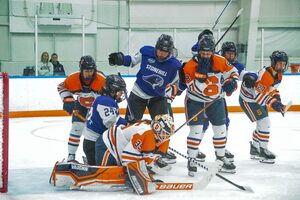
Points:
265	87
130	143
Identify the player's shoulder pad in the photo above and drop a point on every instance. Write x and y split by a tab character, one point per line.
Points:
148	51
106	101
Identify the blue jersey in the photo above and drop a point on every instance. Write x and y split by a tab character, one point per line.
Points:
103	113
154	75
239	66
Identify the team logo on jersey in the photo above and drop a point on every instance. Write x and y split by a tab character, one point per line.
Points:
154	80
151	60
138	145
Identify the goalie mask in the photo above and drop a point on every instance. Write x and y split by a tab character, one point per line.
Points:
163	127
115	87
279	56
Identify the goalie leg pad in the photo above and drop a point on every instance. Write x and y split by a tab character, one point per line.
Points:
140	179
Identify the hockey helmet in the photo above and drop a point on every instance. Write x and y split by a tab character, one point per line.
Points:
279	56
206	43
204	32
163	127
87	62
113	85
165	43
228	46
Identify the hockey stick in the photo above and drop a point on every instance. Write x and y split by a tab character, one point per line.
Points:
286	108
131	116
236	18
217	20
77	114
245	188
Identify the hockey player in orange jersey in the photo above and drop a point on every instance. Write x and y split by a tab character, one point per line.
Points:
206	77
257	92
85	84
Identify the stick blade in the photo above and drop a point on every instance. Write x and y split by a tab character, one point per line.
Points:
209	175
240	12
248	189
286	108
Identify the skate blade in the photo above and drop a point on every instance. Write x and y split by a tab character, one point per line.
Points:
200	159
252	157
267	161
170	161
230	159
227	171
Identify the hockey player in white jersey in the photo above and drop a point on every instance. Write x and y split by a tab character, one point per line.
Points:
102	115
257	92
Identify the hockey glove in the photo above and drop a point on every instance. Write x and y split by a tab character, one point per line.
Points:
277	106
69	104
229	86
250	79
204	65
171	92
116	58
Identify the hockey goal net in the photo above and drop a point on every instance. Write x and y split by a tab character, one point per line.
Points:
3	131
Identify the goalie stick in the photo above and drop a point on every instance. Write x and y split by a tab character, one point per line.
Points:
245	188
286	108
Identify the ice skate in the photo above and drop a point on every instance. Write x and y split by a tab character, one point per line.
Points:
254	152
227	167
192	168
229	156
160	167
201	157
266	156
169	158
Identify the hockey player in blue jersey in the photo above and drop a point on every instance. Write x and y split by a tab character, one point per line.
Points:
158	68
103	114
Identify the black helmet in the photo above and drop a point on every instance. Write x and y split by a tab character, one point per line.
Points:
114	84
228	46
204	32
279	56
206	43
165	43
87	62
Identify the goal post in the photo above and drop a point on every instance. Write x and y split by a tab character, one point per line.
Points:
4	112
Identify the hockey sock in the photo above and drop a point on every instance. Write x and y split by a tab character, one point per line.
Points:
263	132
219	139
194	139
74	138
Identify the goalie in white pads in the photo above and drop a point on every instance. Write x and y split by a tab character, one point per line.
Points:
257	92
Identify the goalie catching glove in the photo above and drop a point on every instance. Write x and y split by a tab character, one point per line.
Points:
69	104
116	58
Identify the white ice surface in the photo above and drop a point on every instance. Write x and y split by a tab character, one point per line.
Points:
35	144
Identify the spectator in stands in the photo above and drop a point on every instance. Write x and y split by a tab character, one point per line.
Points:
45	68
58	69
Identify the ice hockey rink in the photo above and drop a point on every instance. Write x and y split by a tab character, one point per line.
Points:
35	144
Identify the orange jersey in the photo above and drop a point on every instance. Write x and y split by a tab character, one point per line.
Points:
265	87
212	87
131	143
86	93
